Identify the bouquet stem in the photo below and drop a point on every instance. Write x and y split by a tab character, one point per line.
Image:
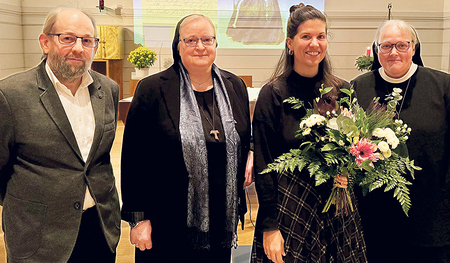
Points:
340	197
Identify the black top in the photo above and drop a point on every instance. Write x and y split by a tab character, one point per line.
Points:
426	111
217	161
274	127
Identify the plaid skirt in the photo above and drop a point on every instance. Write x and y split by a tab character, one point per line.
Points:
309	234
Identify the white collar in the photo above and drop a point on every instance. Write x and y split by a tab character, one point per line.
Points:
411	71
85	81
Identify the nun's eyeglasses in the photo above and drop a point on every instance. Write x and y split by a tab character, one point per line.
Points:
401	46
193	41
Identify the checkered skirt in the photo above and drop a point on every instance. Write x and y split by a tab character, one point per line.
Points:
309	234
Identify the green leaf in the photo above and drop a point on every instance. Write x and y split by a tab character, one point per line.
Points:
325	91
347	126
346	91
365	165
329	147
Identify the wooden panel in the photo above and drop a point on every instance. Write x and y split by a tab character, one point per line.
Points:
112	68
247	80
124	106
133	85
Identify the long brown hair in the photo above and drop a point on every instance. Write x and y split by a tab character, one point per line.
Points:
299	14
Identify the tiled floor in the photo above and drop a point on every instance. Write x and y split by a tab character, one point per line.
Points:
125	251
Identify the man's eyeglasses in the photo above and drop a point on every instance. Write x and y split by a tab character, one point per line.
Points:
69	40
193	41
401	46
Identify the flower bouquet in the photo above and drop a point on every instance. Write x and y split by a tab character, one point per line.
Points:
344	143
142	57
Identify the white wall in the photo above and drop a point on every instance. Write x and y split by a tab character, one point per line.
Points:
11	44
352	25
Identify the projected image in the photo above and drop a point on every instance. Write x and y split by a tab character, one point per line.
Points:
256	22
241	24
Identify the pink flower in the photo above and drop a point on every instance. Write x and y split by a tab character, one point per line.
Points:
364	150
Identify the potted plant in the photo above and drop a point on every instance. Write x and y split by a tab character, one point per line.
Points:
364	63
142	58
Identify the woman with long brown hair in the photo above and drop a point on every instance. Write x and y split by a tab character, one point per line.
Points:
290	225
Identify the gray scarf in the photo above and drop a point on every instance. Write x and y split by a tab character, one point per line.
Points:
195	158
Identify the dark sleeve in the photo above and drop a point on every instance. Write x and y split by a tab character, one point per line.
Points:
241	113
364	86
6	144
265	119
136	153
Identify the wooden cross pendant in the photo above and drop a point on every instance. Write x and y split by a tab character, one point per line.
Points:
216	134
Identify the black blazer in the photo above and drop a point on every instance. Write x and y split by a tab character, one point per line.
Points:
154	176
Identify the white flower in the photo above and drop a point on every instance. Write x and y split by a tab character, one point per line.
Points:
332	124
318	118
391	138
397	90
302	124
388	134
383	146
380	133
314	119
306	131
386	154
310	122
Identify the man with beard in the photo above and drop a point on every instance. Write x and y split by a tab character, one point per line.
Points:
57	126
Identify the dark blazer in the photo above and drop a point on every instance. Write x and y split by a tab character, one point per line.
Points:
43	177
154	177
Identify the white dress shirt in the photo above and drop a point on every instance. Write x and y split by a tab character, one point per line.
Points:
79	111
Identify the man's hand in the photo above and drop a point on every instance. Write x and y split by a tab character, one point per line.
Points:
141	235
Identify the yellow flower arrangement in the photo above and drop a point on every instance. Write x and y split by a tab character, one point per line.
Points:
142	57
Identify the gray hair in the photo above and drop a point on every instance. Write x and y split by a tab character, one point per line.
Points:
53	16
400	24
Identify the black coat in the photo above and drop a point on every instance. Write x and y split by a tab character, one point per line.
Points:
154	176
426	109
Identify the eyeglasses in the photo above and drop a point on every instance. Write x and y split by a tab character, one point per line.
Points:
69	40
193	41
401	46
